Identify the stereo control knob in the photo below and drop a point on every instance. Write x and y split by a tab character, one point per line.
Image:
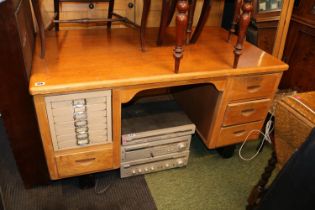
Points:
181	146
146	169
152	168
167	165
133	172
139	170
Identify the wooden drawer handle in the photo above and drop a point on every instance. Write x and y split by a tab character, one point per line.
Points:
239	133
85	161
247	112
253	88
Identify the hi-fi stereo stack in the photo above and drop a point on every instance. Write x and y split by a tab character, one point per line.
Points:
155	136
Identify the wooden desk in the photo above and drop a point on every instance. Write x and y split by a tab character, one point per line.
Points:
228	102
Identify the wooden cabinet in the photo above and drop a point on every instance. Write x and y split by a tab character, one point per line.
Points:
300	47
16	104
241	108
265	21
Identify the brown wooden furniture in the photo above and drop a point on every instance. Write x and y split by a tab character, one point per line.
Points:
243	20
299	48
109	20
16	107
168	10
232	102
265	21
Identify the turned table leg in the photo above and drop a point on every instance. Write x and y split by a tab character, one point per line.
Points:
244	22
41	27
206	7
181	25
191	12
144	18
236	17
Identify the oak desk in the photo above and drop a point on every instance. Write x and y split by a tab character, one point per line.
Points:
225	103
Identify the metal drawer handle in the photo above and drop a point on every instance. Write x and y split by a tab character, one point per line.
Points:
83	141
79	102
85	160
239	133
81	123
248	112
81	130
80	116
80	108
253	88
82	135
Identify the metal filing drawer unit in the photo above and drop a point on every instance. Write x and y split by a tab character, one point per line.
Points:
79	119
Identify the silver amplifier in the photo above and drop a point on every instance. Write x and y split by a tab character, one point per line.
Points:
154	149
154	164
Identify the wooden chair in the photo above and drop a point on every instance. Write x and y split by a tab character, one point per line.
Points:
168	10
243	19
109	19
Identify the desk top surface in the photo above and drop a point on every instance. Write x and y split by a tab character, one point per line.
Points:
89	59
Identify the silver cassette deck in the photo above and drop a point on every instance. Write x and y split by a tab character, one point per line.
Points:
156	148
155	164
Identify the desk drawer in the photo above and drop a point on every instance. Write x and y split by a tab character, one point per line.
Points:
260	86
84	162
236	134
239	113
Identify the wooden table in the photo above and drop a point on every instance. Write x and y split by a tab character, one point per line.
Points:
228	102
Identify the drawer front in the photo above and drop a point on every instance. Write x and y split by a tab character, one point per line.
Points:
84	162
260	86
246	112
236	134
79	119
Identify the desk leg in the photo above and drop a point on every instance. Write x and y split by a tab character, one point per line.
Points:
144	18
244	22
41	27
191	12
236	17
206	7
181	25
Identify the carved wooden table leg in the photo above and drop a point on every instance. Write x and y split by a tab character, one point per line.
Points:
144	18
164	18
236	17
244	22
206	7
191	12
41	27
181	25
110	13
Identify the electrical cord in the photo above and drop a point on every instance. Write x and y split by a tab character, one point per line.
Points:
268	130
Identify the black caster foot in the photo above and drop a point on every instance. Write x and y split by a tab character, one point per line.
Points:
87	181
226	152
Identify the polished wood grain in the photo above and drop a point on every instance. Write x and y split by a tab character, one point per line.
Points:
244	22
256	86
238	133
299	49
181	26
283	27
84	160
72	54
16	105
236	17
238	113
43	123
